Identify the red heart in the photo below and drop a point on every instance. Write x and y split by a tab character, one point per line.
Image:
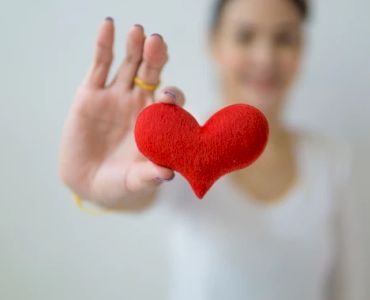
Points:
232	139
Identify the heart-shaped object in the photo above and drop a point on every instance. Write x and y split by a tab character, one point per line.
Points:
231	139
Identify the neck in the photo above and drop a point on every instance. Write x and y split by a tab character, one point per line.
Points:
278	133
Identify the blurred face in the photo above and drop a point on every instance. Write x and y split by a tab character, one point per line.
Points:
257	49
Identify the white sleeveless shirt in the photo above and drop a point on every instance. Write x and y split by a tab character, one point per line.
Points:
231	246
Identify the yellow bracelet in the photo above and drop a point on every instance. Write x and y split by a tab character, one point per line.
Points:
77	199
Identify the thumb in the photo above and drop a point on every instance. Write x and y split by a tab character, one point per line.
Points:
144	174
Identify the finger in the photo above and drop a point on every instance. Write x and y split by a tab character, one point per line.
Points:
146	174
154	58
103	55
134	53
171	95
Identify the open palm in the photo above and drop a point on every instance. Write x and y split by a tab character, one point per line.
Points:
98	154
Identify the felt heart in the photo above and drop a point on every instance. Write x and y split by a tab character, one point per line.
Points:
231	139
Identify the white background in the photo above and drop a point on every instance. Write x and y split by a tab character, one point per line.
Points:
51	250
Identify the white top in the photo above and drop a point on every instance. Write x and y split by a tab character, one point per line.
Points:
230	246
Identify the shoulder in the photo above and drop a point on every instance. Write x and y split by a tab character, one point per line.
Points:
334	151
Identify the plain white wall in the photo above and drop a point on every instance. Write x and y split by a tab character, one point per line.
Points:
51	250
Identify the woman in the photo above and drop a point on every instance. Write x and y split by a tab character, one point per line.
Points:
268	231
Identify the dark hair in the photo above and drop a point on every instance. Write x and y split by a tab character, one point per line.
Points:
302	6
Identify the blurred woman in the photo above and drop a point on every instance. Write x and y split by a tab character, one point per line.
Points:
269	231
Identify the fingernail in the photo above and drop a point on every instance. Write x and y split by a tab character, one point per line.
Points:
171	94
159	180
138	25
109	19
157	34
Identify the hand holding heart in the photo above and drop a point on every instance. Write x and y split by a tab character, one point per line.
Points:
99	158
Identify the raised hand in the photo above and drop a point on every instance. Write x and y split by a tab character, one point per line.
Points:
98	157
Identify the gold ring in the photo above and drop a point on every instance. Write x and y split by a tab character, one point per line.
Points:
145	86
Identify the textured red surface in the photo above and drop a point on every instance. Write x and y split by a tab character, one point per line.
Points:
231	139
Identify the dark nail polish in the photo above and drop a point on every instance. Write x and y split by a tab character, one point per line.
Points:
138	25
109	19
171	94
157	34
159	180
